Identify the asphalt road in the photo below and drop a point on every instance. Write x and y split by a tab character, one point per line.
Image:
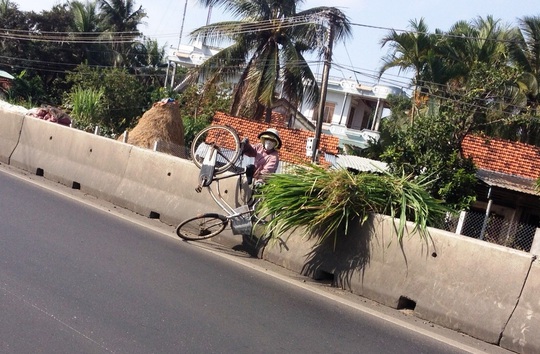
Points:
77	279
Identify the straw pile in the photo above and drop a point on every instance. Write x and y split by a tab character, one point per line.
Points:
161	123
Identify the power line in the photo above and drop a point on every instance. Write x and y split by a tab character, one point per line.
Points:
439	34
129	36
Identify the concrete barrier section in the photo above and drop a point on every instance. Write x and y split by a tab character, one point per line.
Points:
295	251
11	123
72	157
522	332
163	186
457	282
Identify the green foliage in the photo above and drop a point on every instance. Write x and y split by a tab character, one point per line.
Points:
197	108
192	126
267	54
428	147
324	201
158	93
124	99
86	107
482	72
26	90
97	19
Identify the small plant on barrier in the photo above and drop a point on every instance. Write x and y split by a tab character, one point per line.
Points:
324	201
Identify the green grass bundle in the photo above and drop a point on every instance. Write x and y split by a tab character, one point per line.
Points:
324	201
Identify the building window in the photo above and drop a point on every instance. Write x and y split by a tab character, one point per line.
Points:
329	108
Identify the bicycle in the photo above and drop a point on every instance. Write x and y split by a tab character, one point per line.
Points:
215	150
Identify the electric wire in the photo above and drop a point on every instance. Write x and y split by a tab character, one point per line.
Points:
214	31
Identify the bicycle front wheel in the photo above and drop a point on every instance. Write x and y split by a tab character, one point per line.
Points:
202	227
223	139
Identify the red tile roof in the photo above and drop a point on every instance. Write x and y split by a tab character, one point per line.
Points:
504	156
498	155
294	140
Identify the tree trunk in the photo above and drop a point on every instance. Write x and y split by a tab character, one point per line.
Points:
268	117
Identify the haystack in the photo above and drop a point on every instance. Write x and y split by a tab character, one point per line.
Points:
161	123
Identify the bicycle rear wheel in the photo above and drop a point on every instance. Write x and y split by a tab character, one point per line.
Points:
220	137
202	227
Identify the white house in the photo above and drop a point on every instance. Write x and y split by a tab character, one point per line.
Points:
187	56
352	113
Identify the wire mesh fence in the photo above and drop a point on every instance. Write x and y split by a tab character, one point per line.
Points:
494	228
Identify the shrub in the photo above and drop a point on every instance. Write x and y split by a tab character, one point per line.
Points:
86	107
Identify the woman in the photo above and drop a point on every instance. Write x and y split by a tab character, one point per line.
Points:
265	153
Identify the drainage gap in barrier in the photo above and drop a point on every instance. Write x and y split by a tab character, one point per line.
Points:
323	277
40	172
404	303
153	215
76	185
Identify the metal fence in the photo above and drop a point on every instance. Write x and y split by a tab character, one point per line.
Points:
494	229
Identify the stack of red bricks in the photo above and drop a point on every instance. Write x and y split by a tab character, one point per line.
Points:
509	157
294	140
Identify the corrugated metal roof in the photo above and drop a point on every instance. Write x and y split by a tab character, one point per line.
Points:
12	108
6	75
360	164
510	182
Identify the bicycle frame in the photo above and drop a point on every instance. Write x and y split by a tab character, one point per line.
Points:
220	201
239	218
207	176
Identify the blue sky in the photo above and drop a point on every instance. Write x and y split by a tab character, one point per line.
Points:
362	53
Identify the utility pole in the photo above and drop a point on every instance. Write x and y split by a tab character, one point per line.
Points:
177	48
182	27
324	89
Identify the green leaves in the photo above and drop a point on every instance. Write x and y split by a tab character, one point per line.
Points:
123	98
86	106
269	42
325	201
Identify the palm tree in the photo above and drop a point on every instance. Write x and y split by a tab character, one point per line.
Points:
121	19
5	6
85	16
147	59
267	51
409	50
483	40
525	53
412	51
86	24
121	15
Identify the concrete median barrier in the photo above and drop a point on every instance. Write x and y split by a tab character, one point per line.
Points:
11	123
152	184
72	157
521	333
454	281
163	186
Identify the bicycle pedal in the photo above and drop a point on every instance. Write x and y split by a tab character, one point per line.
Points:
198	189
